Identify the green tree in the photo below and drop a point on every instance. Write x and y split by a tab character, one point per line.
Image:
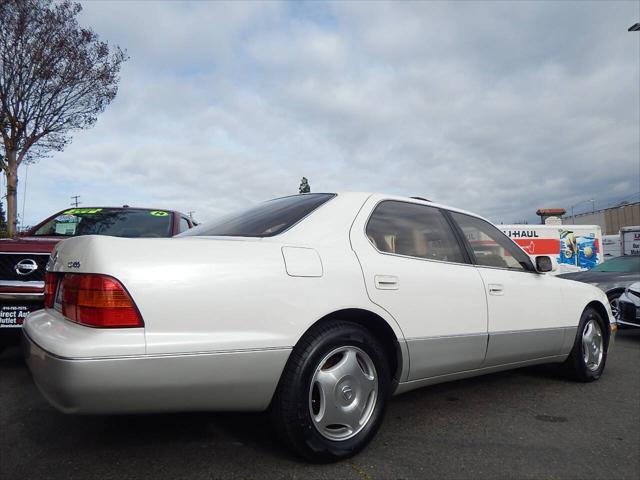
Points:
55	78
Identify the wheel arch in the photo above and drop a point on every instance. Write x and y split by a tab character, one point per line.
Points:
615	290
602	311
381	329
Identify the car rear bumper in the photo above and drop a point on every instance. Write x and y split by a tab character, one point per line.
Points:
239	380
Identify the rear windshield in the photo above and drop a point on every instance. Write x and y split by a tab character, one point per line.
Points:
624	264
116	222
264	220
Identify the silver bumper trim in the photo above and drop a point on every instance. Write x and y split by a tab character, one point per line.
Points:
19	284
237	380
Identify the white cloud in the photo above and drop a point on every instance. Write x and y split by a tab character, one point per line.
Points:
496	107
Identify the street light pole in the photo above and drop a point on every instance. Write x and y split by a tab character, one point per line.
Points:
593	208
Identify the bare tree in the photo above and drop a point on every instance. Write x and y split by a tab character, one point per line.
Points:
55	77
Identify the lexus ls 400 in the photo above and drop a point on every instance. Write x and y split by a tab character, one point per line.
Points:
317	307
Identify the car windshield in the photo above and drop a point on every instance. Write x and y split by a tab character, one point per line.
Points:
624	264
116	222
264	220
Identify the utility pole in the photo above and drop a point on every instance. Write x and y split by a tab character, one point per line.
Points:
190	213
75	201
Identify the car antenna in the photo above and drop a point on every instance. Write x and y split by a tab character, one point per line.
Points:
420	198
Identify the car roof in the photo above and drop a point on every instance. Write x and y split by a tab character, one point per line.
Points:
418	199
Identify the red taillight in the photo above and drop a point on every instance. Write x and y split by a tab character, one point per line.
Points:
98	301
50	282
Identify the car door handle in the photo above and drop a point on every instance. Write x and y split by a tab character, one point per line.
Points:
496	289
386	282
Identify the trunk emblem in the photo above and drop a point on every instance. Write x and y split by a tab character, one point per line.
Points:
26	266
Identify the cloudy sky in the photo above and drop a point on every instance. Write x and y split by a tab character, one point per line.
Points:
496	107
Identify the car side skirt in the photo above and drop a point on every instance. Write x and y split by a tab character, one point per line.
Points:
412	385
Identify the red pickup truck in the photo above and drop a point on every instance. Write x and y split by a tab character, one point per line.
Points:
23	259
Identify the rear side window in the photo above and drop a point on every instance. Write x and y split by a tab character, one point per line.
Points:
490	246
264	220
413	230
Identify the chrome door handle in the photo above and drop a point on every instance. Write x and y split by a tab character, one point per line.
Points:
496	289
386	282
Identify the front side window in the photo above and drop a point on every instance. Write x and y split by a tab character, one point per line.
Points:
491	247
413	230
116	222
264	220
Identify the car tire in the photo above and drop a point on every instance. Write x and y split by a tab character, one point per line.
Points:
333	392
588	356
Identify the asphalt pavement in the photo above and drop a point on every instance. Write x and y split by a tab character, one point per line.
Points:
528	423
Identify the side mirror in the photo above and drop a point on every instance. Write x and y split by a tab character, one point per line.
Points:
544	264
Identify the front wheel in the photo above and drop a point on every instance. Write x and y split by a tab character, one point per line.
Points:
589	354
614	303
333	392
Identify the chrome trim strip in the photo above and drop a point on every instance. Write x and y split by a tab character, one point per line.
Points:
517	270
436	337
38	297
154	355
22	284
531	330
487	333
24	253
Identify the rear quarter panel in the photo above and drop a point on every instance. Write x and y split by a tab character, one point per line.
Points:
203	294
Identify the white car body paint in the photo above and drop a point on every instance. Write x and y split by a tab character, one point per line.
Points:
222	314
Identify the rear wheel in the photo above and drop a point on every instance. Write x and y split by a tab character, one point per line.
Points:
333	392
588	357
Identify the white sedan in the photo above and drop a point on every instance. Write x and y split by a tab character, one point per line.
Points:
317	307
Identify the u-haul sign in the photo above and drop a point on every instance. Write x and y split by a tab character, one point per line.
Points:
571	247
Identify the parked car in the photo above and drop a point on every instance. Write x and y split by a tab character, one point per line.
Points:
23	259
315	306
612	277
629	306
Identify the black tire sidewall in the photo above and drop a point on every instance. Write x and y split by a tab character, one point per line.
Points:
581	371
312	444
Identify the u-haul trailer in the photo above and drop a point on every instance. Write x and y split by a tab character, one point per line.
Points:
572	248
